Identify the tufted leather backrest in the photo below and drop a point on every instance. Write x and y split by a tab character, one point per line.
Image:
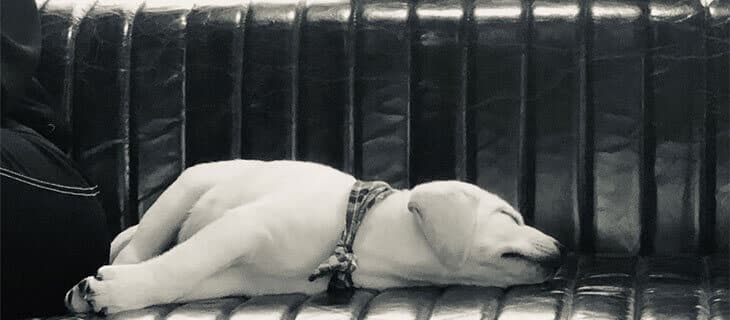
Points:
606	122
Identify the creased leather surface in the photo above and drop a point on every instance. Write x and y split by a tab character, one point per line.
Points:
270	73
719	285
616	56
157	99
438	99
406	304
604	288
672	288
269	307
318	307
677	96
497	115
555	98
324	93
606	122
59	28
101	107
383	93
467	302
719	99
213	77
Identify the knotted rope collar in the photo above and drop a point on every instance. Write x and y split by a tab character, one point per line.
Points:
363	196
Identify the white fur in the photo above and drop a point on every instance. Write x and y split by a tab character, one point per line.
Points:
246	227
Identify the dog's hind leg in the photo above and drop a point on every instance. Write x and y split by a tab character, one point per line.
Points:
158	227
233	239
120	242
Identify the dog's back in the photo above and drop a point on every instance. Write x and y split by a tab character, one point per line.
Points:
307	186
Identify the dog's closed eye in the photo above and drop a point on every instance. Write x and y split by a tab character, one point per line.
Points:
511	215
513	255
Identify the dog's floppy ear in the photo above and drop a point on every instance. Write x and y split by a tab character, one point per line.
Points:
447	215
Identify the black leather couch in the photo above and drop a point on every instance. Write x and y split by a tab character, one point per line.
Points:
605	121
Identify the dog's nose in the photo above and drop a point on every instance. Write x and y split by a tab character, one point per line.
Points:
562	249
554	261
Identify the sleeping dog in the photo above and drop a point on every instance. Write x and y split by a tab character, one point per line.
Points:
245	227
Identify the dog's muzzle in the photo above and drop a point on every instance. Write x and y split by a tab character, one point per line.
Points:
553	261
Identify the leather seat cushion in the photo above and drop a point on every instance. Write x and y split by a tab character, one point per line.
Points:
587	287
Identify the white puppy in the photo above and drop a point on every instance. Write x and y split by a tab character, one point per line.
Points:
252	227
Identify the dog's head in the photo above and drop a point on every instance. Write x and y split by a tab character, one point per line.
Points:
480	238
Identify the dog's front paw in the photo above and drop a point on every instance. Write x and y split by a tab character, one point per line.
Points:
114	289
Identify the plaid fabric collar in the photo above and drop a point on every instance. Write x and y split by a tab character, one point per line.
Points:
363	196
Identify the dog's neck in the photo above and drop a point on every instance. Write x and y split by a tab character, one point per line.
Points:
396	253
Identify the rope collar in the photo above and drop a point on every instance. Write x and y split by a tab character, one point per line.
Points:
340	265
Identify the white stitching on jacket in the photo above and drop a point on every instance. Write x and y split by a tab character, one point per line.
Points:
37	185
51	184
